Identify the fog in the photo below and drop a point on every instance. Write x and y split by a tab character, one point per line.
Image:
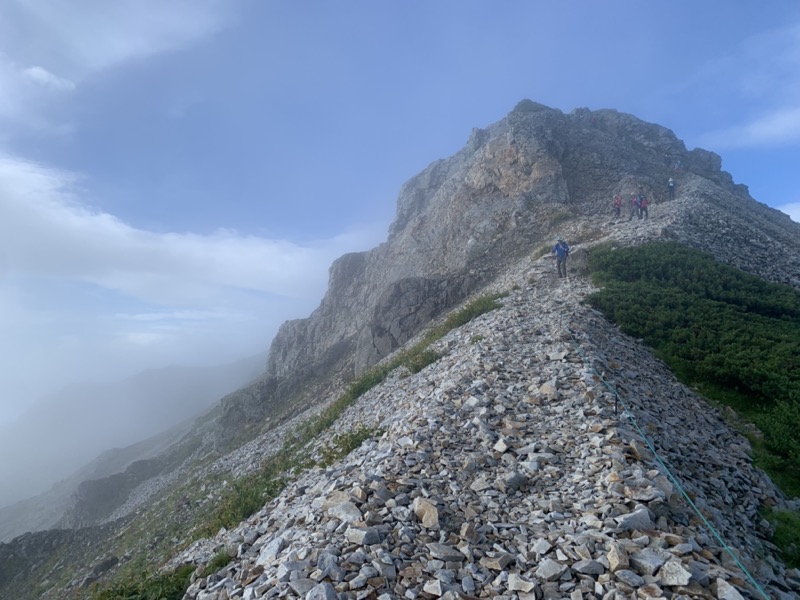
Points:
65	430
87	300
86	297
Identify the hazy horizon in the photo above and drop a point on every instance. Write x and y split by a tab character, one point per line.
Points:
64	431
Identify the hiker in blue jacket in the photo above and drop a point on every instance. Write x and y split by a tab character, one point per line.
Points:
561	250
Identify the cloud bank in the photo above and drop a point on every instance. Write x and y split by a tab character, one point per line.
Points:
76	41
84	293
48	232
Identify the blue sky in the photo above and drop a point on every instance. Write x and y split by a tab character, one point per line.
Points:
176	177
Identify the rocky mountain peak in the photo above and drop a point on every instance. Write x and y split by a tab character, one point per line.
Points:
512	186
527	461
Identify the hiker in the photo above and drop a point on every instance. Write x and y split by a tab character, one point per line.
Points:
634	206
617	205
643	207
561	250
671	188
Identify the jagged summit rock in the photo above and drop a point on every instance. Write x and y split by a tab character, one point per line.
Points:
502	470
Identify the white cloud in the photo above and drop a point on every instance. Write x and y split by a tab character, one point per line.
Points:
780	127
46	78
145	338
767	65
24	94
16	98
96	34
792	209
182	315
47	232
84	295
76	40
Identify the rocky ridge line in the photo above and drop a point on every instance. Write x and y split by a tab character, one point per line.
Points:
460	223
503	472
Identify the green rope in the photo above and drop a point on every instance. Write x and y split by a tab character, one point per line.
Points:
632	417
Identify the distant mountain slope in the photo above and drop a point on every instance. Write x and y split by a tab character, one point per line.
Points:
45	510
64	431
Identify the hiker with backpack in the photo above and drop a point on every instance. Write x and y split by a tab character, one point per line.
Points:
671	188
643	206
617	204
634	206
561	250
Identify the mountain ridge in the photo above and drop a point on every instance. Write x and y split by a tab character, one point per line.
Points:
530	366
481	220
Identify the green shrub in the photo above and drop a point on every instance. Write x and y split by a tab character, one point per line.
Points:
559	217
474	309
787	535
730	334
343	444
247	494
782	421
542	251
220	560
419	360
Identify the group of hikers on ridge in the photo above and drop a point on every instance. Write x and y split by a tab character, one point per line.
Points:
638	207
639	202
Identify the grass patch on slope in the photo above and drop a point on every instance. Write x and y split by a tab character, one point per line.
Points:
161	586
248	494
732	335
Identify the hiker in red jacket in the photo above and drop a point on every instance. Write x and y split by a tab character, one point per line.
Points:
617	205
643	207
